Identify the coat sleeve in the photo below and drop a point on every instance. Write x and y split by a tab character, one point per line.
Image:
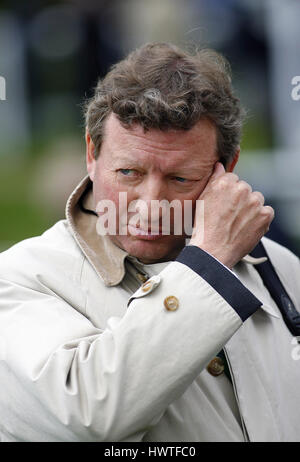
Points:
63	379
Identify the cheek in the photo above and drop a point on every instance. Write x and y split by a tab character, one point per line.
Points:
104	185
107	188
198	190
192	197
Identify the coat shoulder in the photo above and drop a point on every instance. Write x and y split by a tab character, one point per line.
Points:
55	251
281	256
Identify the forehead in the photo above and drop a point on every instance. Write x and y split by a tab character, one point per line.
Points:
198	143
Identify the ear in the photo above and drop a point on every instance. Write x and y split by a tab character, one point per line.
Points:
230	167
90	155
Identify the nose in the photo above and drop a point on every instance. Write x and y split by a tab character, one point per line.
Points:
149	194
152	188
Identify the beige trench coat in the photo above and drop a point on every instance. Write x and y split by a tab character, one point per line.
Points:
87	355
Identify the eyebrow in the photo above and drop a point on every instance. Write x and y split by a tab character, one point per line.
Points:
143	162
175	170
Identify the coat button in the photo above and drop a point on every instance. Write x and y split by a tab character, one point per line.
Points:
171	303
147	286
216	367
142	277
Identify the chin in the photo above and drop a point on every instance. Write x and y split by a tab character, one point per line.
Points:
148	252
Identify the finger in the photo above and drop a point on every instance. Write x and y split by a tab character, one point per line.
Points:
270	213
219	170
243	186
258	195
267	214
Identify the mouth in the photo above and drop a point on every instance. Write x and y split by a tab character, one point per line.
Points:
148	235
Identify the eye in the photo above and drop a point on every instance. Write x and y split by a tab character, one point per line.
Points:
180	179
127	171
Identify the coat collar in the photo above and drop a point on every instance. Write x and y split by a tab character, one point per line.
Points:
107	259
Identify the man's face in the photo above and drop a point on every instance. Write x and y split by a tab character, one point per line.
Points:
149	166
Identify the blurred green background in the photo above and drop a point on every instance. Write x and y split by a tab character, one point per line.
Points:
53	52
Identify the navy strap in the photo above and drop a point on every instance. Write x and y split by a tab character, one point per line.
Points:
277	291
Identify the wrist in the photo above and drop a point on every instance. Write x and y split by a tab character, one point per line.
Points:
219	254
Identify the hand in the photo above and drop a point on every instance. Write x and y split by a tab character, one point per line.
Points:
235	218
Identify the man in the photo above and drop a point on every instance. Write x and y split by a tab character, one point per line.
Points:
114	337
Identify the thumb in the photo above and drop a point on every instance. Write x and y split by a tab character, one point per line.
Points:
219	170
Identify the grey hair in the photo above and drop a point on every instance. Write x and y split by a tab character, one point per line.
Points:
163	87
